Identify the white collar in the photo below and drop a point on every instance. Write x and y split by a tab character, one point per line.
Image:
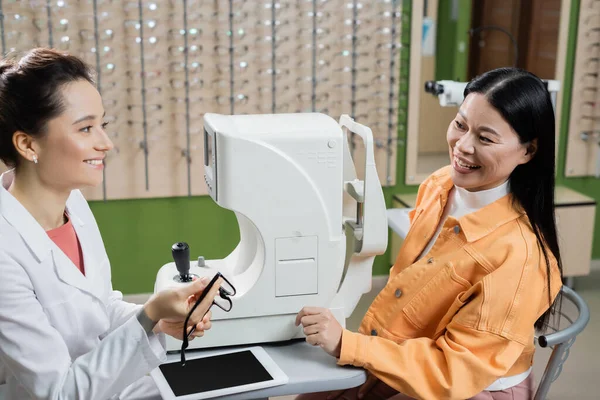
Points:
482	198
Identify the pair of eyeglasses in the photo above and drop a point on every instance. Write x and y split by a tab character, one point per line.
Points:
207	299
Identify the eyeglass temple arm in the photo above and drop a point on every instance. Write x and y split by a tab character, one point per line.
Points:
206	301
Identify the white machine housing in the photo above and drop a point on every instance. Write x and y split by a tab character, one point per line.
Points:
309	229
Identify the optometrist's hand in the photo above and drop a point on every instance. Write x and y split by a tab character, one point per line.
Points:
173	305
321	329
175	328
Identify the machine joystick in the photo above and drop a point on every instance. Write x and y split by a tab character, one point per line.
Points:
181	256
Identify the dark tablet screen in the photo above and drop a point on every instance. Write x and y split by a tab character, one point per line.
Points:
215	372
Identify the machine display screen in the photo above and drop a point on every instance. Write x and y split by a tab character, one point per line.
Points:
208	148
212	373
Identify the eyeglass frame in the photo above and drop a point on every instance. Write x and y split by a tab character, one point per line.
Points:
223	293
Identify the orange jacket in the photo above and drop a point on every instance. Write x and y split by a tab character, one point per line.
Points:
448	325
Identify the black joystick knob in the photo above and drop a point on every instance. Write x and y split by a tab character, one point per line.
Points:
181	256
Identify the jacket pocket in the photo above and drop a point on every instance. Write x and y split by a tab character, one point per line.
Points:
436	300
458	303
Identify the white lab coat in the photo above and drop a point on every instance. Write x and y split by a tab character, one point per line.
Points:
64	335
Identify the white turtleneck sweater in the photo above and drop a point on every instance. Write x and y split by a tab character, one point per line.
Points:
460	203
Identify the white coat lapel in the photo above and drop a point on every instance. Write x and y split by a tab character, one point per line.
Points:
91	258
69	273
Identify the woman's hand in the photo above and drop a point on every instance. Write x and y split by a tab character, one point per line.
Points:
321	329
170	307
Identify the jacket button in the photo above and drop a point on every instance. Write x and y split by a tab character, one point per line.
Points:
373	332
430	260
398	293
456	229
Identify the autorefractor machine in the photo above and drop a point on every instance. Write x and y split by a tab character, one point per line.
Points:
310	228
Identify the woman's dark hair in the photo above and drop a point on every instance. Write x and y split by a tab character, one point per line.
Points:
30	94
524	102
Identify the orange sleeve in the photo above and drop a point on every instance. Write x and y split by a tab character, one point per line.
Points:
458	365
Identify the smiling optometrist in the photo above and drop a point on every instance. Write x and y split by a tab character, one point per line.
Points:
64	332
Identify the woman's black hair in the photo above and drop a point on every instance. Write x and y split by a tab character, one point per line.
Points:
524	102
30	94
